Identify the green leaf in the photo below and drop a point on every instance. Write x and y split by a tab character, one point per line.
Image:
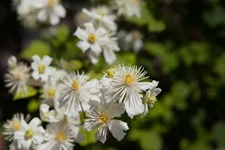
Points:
144	137
33	105
128	58
148	19
30	92
36	48
219	133
89	137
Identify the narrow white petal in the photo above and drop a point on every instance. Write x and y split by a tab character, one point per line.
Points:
47	60
102	133
109	56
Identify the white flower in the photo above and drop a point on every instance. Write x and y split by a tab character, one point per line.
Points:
131	41
97	41
26	11
49	10
150	96
103	16
12	62
41	68
58	136
126	87
17	77
75	91
30	134
101	116
46	114
129	8
13	125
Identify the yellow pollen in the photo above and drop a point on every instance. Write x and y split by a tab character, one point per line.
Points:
16	125
41	68
51	92
110	73
75	84
29	133
129	79
92	38
51	3
60	137
103	118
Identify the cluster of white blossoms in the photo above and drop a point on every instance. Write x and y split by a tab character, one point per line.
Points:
98	29
69	96
44	11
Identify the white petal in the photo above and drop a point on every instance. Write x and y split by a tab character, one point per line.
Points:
34	123
109	56
115	110
35	75
54	19
46	60
145	110
96	48
117	128
36	58
42	15
60	11
134	106
93	57
81	34
102	133
83	45
100	32
89	27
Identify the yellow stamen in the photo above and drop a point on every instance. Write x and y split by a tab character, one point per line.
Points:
51	92
103	118
41	68
75	84
29	133
100	12
129	79
60	137
51	3
110	72
92	38
16	125
152	100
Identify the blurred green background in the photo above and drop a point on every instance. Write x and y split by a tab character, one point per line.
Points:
184	42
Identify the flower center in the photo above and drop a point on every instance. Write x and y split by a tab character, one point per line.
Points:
129	79
51	92
152	100
16	125
51	3
41	68
103	118
110	73
100	12
92	38
60	137
75	84
29	134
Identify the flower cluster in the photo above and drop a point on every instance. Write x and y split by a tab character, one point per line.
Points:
43	11
69	96
73	102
